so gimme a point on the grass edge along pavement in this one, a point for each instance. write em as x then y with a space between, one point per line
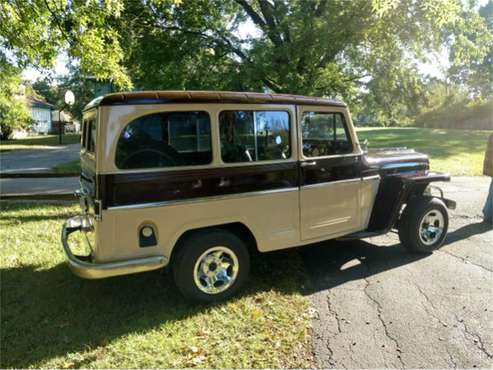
71 167
51 318
38 142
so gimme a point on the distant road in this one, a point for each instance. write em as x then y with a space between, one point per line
38 160
39 186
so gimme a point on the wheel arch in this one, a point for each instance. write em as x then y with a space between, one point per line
239 229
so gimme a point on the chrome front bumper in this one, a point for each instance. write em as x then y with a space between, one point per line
84 268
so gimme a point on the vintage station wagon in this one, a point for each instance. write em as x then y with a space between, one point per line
199 180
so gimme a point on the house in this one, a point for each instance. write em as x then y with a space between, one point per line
64 118
41 112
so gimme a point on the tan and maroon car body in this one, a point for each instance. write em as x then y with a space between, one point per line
275 204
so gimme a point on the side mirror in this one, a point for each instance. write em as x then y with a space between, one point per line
364 146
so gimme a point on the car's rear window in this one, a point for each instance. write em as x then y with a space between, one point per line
165 139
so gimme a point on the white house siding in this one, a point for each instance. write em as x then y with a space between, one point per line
42 118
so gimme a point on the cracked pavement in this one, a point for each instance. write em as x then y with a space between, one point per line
376 306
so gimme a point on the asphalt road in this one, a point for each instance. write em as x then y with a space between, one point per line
38 160
375 306
55 185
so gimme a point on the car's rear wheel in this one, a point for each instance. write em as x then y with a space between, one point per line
423 225
211 265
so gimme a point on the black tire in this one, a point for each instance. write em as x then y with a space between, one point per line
410 225
190 251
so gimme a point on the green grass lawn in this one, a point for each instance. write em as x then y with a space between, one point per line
458 152
68 167
52 319
38 142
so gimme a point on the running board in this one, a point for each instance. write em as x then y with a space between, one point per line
362 235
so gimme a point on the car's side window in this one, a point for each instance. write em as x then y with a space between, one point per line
165 139
324 134
249 136
91 133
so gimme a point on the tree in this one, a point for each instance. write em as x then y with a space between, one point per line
84 88
36 31
13 110
329 48
474 70
47 90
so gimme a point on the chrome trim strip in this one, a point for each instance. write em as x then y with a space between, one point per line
374 177
201 199
403 165
323 184
210 166
331 222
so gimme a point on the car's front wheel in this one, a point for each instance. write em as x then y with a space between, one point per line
423 225
211 265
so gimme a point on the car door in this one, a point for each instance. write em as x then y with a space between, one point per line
329 173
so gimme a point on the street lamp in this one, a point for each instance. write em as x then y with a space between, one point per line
69 100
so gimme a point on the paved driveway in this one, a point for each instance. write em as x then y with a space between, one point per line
375 306
38 160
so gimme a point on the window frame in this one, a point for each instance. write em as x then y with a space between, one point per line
345 124
238 108
163 168
89 134
83 134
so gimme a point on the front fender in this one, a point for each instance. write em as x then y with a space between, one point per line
421 185
397 190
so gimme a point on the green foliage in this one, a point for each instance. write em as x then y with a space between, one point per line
362 51
459 114
83 87
472 53
13 109
36 31
45 89
53 90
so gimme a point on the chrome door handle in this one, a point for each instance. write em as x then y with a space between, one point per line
310 163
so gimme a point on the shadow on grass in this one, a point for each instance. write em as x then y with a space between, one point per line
50 312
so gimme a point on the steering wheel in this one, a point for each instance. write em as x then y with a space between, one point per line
153 154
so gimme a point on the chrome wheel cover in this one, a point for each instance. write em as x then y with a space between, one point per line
431 227
216 270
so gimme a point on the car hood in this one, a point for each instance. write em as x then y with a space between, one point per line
387 161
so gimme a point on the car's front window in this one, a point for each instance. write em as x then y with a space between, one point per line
324 134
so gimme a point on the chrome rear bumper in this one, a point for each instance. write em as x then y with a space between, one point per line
84 268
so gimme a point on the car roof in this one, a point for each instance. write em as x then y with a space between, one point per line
180 96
